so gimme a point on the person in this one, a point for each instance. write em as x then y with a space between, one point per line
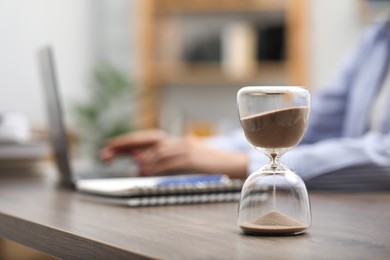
349 128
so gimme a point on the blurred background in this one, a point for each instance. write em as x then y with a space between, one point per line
181 62
184 60
125 65
134 64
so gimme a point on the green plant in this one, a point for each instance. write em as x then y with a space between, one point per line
108 111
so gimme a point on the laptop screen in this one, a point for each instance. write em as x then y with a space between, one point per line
56 126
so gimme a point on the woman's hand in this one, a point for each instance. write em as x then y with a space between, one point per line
131 143
157 154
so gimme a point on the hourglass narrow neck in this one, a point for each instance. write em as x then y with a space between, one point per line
274 163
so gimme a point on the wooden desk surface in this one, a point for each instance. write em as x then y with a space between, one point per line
34 212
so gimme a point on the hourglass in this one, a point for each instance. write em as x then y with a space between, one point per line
274 199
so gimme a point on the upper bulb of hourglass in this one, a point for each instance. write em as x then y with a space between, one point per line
276 131
276 128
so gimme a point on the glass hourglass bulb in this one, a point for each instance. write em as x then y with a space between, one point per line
274 199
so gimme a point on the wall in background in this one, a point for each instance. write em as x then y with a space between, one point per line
114 32
334 29
25 26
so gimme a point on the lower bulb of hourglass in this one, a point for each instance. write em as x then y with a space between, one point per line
274 201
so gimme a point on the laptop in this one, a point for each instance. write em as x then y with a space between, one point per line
106 183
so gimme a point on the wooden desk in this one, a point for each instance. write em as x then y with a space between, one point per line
34 212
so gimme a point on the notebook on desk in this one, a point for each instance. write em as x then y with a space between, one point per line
164 190
131 191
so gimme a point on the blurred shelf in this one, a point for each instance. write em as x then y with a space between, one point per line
201 6
164 31
212 73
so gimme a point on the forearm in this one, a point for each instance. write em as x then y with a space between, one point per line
233 164
310 161
230 154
